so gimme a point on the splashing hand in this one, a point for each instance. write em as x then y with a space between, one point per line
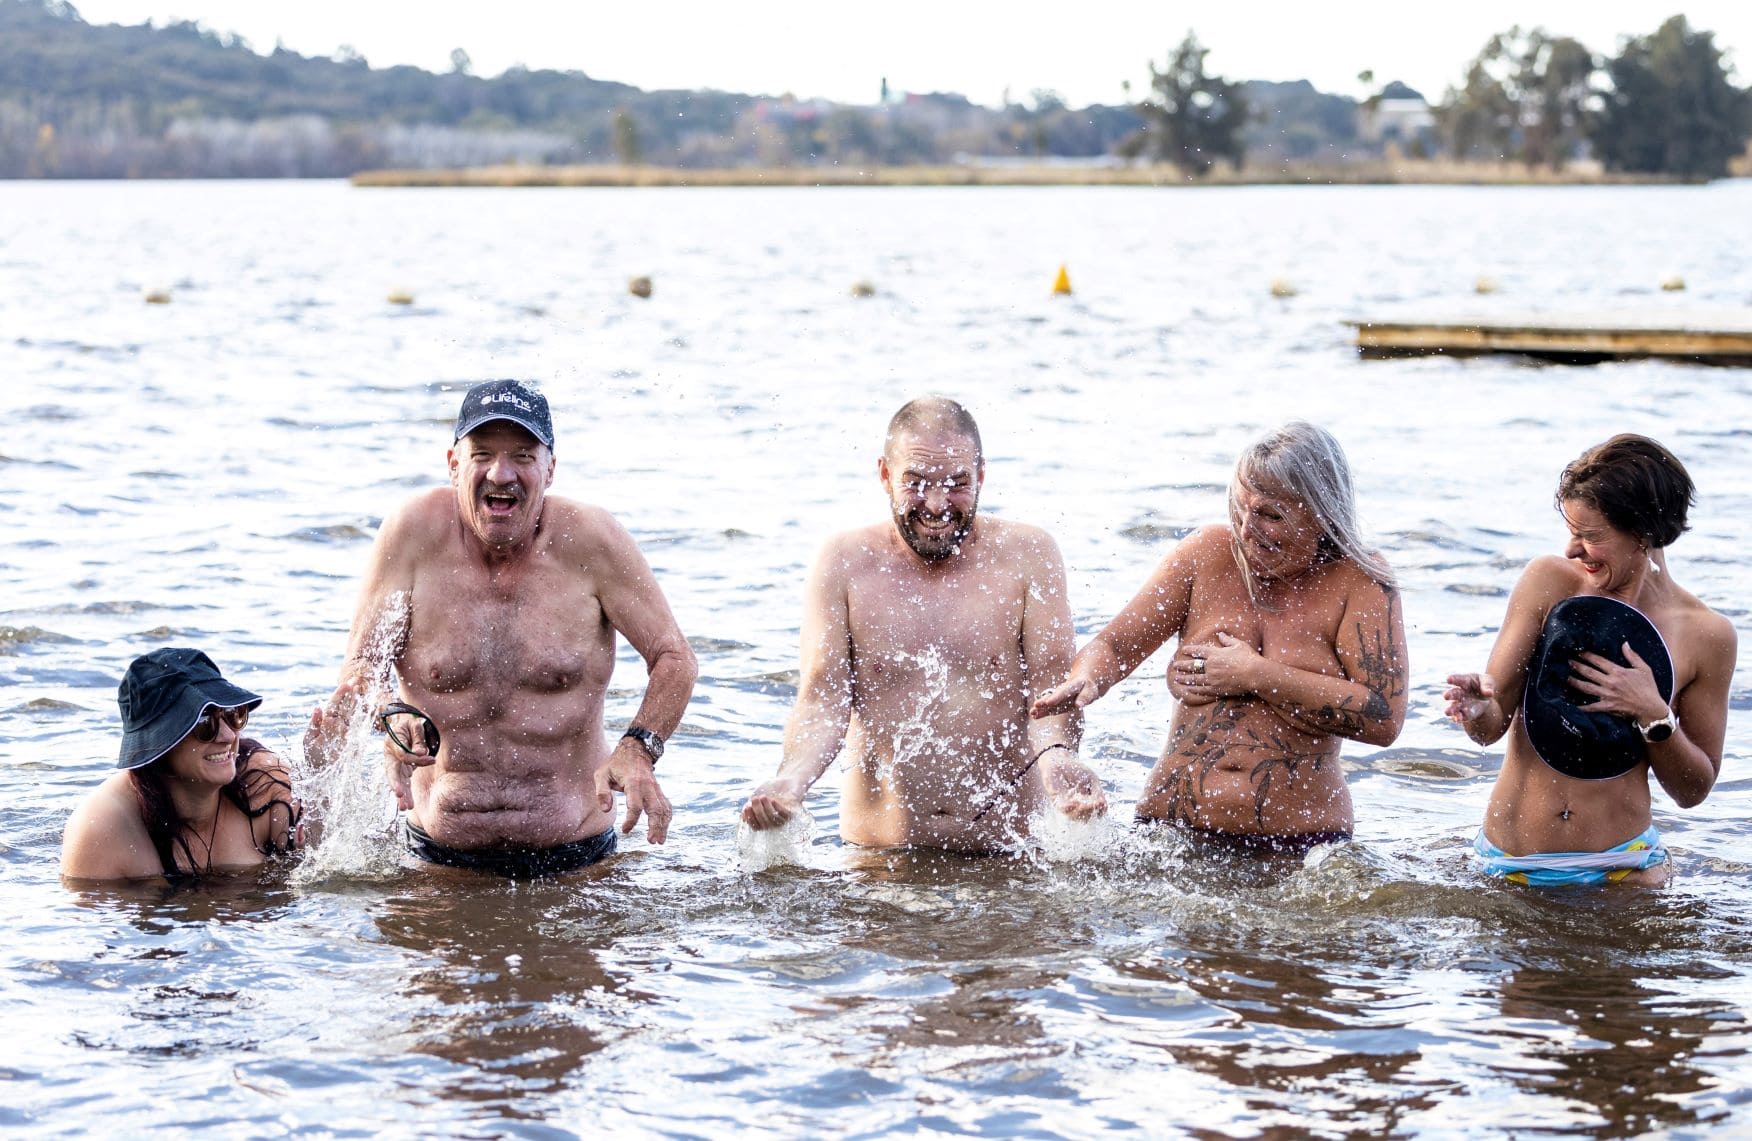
1074 789
772 804
327 733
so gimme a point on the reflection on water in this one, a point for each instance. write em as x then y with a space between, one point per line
212 471
508 984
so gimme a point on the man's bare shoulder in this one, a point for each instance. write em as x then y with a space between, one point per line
1023 545
574 520
422 520
583 531
860 546
1010 533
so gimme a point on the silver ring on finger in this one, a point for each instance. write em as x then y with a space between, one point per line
1198 665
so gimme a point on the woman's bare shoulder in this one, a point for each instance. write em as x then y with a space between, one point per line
105 837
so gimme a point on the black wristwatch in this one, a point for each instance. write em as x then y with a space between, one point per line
649 741
1659 729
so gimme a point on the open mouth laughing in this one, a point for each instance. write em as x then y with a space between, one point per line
501 504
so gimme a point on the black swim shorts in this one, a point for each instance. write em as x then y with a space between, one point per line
516 863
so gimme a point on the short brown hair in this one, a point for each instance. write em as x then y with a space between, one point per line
1639 486
934 413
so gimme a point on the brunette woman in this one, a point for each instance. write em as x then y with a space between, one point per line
193 796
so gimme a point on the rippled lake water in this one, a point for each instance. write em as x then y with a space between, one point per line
211 471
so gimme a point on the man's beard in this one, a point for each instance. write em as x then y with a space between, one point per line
933 548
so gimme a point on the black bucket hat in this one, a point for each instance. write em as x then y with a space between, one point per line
163 696
1566 734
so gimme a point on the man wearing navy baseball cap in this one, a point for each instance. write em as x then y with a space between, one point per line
503 603
511 401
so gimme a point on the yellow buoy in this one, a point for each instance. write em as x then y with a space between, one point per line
1282 288
639 287
1485 285
1062 283
400 297
1673 284
158 297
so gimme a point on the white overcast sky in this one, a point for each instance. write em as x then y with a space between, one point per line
1083 49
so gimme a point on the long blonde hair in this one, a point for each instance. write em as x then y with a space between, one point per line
1306 461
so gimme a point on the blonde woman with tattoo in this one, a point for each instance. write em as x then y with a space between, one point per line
1289 641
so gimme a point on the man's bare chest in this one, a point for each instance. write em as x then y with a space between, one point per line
966 626
542 635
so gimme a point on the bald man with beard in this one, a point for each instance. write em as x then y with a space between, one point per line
924 640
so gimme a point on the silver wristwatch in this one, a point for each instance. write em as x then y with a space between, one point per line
1659 729
649 741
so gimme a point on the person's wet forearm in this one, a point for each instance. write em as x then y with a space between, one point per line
668 688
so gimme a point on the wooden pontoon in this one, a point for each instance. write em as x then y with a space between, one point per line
1721 337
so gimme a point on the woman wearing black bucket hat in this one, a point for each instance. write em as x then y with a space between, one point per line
193 794
1605 671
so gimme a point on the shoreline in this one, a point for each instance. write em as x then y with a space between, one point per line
1372 173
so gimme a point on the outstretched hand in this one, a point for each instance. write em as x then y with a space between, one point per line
1071 694
629 771
1469 697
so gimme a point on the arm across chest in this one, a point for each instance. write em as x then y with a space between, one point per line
1302 634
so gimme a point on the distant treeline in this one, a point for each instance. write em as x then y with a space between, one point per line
1665 104
86 101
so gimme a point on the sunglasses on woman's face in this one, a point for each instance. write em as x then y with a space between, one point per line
207 727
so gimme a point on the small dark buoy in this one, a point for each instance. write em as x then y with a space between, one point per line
639 287
863 289
158 297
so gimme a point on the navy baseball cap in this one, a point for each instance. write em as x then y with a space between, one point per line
163 697
506 400
1566 733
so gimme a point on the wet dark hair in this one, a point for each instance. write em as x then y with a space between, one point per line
169 831
934 412
1639 486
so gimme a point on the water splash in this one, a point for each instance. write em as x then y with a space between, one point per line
919 736
1061 840
349 806
915 735
761 849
